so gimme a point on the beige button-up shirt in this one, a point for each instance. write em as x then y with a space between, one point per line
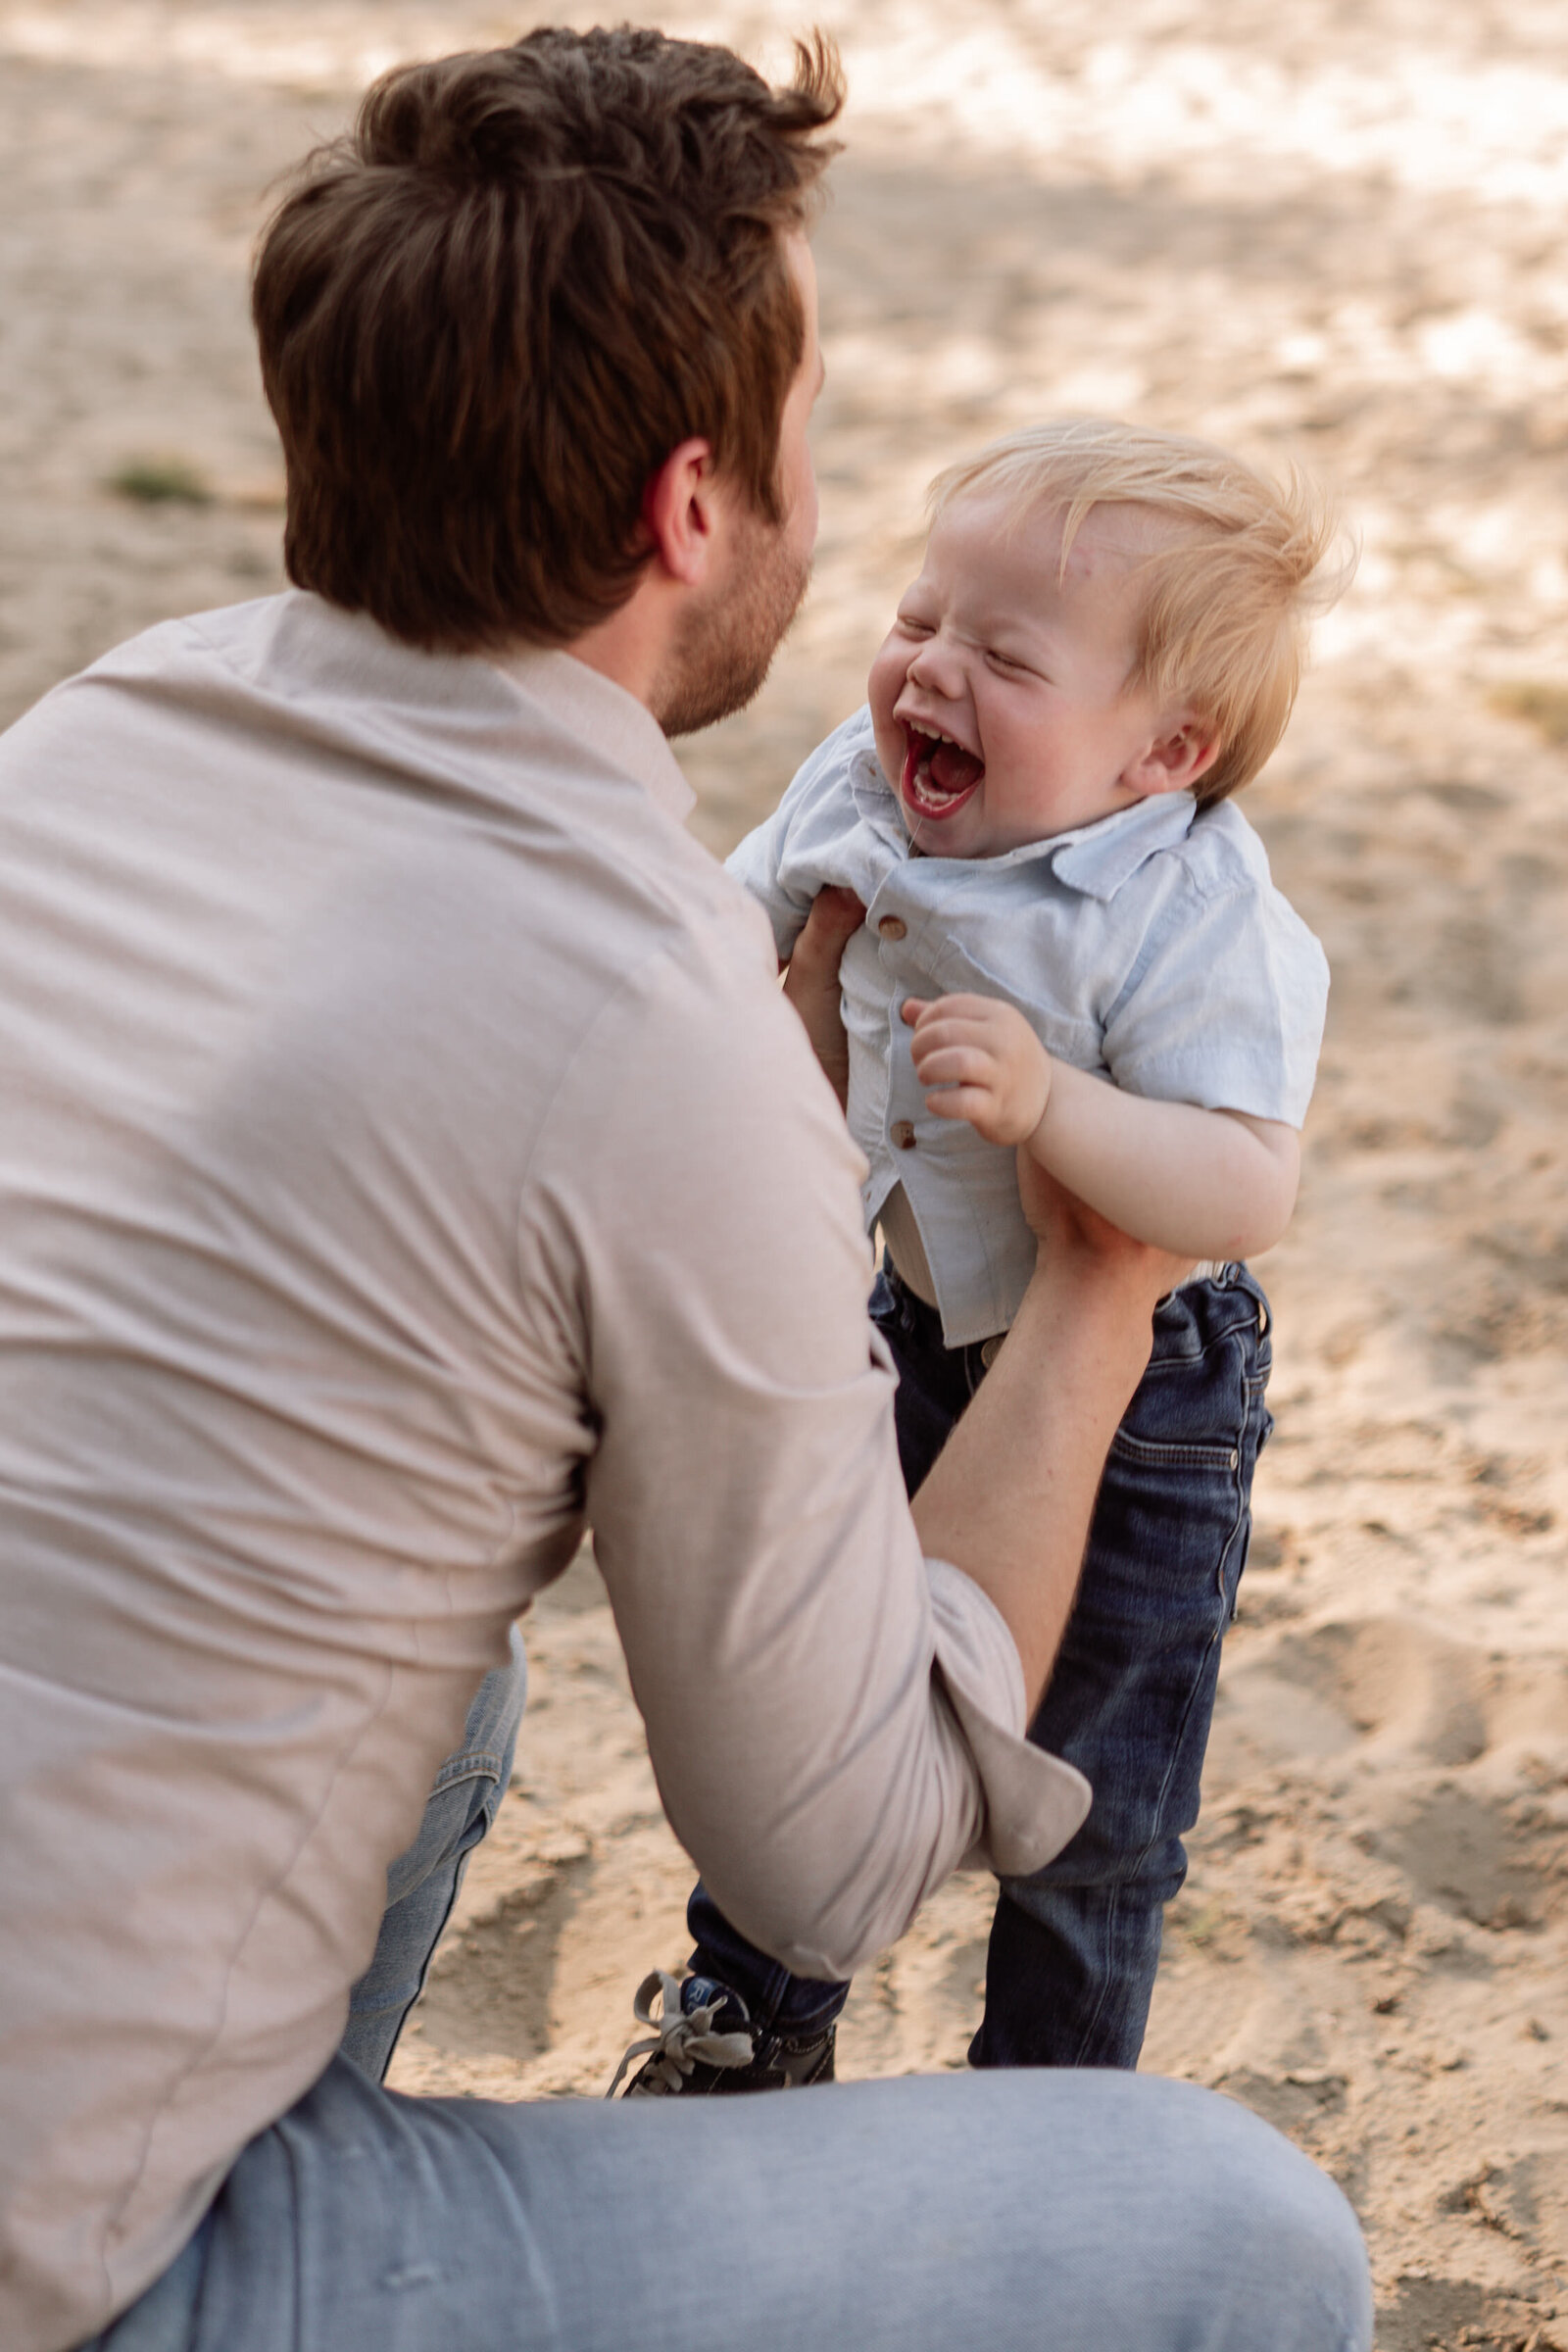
391 1098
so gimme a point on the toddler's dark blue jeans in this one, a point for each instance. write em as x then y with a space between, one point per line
1075 1949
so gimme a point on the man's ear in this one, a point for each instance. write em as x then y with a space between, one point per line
1174 761
681 513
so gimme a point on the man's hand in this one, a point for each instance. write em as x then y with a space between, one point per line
811 983
1068 1229
980 1060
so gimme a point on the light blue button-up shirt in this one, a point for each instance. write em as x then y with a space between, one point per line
1151 948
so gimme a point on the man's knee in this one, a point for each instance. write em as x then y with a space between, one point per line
1272 2225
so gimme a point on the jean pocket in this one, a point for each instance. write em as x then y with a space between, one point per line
1178 1453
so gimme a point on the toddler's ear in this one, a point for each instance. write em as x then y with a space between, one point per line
1174 762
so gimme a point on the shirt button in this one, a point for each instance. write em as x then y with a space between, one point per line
892 926
990 1350
903 1134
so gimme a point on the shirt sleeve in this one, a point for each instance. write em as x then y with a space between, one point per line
834 1723
806 841
1225 1004
755 864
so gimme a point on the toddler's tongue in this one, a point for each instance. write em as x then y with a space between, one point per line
938 777
952 770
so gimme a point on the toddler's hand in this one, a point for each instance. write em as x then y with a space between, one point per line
980 1060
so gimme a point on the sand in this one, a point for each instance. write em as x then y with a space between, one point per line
1331 232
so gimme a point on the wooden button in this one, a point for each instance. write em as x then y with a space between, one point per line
903 1134
892 926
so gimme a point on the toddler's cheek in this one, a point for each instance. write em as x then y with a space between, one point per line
883 688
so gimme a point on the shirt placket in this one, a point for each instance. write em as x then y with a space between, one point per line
891 924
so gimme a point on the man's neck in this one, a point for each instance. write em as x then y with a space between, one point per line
627 647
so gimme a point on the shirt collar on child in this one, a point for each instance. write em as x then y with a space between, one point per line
1094 859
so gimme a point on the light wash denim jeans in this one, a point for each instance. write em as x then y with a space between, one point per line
422 1883
1087 2212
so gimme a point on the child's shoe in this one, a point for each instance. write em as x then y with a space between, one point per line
703 2040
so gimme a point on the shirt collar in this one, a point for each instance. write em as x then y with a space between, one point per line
1097 859
605 717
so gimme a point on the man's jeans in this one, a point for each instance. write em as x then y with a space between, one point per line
1068 2211
1075 1947
422 1883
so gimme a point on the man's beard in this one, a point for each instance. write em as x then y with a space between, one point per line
727 641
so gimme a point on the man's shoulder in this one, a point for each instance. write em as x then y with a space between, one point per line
290 647
430 787
151 654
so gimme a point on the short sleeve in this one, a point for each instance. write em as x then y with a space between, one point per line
1225 1006
755 864
815 837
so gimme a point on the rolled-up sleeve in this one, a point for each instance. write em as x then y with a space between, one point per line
834 1722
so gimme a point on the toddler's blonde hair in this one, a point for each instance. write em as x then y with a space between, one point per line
1232 583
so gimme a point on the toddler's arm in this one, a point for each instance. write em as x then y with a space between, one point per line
1205 1184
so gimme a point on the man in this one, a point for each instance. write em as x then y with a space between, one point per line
406 1157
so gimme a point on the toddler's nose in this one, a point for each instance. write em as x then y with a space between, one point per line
934 666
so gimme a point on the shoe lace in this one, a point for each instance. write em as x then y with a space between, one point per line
679 2040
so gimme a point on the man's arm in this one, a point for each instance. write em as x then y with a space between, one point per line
1213 1184
1009 1497
834 1722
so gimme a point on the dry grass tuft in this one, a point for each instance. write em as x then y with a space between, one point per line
161 481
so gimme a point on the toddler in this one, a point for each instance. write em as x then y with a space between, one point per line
1071 943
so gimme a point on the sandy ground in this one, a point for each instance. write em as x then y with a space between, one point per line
1333 231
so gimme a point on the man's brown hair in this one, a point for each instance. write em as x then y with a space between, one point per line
489 314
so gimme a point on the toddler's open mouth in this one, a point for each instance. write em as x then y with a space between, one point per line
939 776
